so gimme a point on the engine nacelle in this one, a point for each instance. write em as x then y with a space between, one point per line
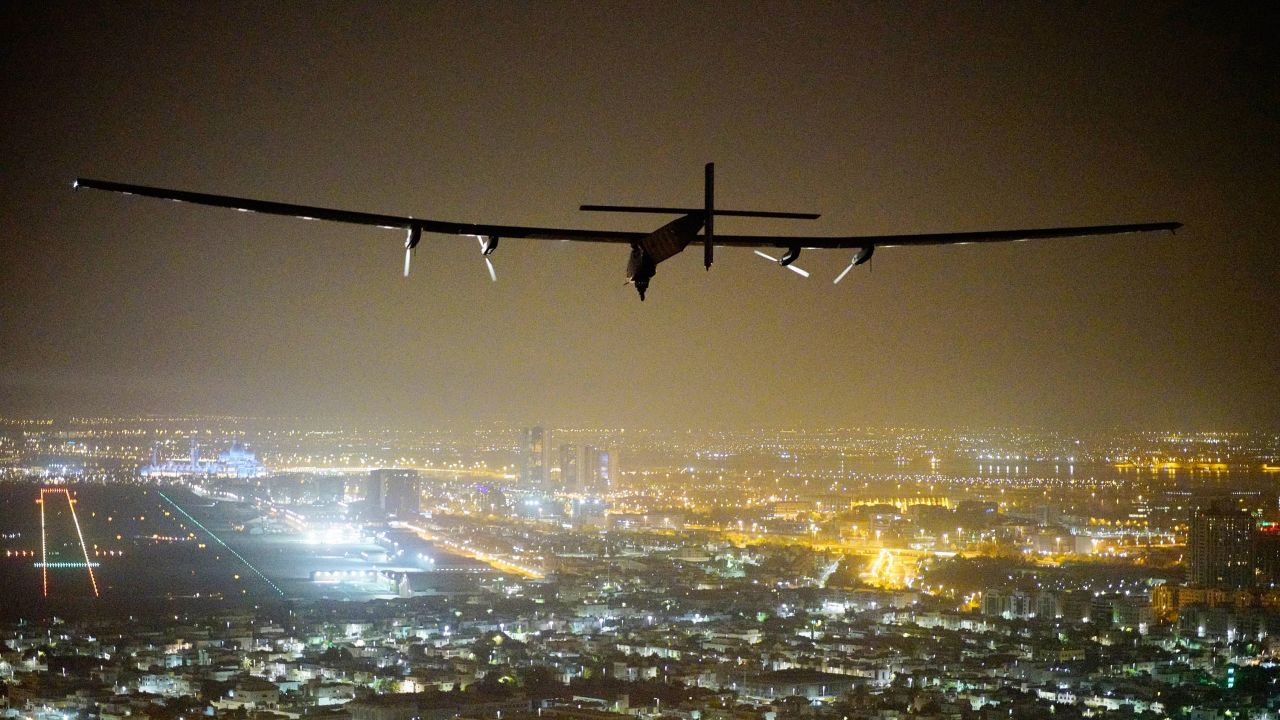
864 255
411 240
792 254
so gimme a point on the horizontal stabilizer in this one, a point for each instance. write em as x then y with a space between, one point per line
689 211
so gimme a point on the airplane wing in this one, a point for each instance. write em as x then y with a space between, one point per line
647 249
390 222
404 222
947 238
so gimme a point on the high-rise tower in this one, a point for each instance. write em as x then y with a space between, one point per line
1221 549
391 492
533 458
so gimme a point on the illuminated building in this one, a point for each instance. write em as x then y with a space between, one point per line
290 488
1268 557
391 492
1221 549
491 500
589 512
434 706
1050 605
402 495
533 458
373 491
234 462
976 510
809 684
997 602
575 467
606 464
586 469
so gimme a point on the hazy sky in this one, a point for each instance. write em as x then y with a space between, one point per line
886 118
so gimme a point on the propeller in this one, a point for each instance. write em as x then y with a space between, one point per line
487 246
799 271
862 256
843 273
410 244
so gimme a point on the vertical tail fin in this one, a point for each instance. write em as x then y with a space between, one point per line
709 207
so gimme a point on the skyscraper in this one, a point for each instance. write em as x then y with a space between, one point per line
1267 557
606 470
373 492
533 458
1221 549
586 469
392 492
575 467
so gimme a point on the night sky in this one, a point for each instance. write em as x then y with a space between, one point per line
886 118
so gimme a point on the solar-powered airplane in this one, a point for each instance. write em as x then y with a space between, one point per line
647 249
